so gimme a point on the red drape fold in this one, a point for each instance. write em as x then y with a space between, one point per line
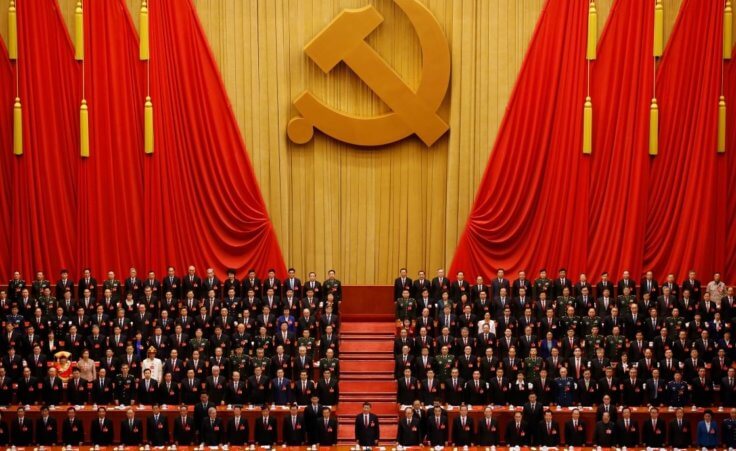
7 98
686 228
45 178
728 183
110 214
530 207
206 207
621 89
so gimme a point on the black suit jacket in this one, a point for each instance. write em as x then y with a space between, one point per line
211 433
238 436
514 437
157 432
409 434
367 435
654 436
680 436
265 434
184 433
605 434
437 433
551 438
487 435
463 436
131 435
575 436
327 434
22 436
72 432
630 437
47 433
294 435
101 434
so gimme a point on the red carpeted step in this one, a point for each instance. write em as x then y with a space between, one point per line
366 366
351 347
378 387
368 327
378 408
369 337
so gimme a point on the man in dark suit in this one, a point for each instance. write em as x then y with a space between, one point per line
517 432
47 429
265 430
628 430
64 285
690 284
172 283
157 427
192 282
533 414
293 427
654 430
212 430
367 429
328 389
101 429
487 429
311 415
463 429
102 388
184 431
401 283
327 428
87 282
549 431
131 429
575 430
626 282
21 431
237 427
680 432
605 432
438 427
409 430
72 431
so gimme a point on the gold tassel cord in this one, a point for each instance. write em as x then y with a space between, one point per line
17 127
592 32
722 125
727 30
12 31
658 28
148 126
143 26
588 126
654 128
84 130
79 32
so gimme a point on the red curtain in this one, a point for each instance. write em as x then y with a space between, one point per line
621 90
626 210
7 98
728 183
685 224
203 204
45 179
531 205
110 214
195 201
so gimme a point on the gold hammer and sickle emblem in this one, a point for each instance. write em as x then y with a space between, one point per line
412 111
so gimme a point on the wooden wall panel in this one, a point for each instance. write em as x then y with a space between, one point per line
365 212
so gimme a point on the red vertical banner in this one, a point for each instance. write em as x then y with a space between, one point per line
728 183
686 223
45 179
621 89
7 98
111 207
531 207
203 202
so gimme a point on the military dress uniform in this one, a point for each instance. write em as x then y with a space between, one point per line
532 366
729 433
593 342
329 364
333 286
445 364
124 388
542 285
564 391
406 309
615 345
114 286
677 393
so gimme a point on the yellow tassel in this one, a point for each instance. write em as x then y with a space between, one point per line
143 25
84 130
658 28
727 30
12 31
79 32
654 128
148 129
722 125
588 126
592 31
17 127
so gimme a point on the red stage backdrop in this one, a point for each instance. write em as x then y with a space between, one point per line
542 203
728 183
7 98
195 201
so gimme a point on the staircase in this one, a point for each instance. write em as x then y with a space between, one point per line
366 374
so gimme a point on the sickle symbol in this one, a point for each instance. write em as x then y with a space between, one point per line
412 112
